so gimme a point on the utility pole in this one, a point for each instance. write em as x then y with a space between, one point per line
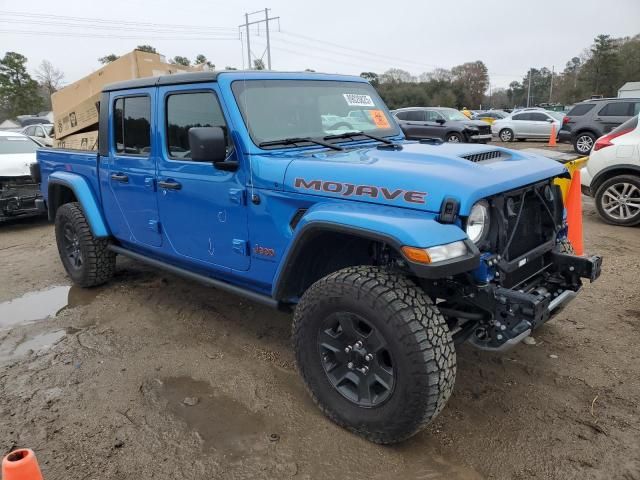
551 87
246 26
529 89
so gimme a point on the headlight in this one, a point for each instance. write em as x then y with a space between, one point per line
437 253
478 222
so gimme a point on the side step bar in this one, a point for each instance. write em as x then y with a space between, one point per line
256 297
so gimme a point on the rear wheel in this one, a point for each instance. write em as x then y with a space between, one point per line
618 200
87 259
506 135
583 143
454 137
374 352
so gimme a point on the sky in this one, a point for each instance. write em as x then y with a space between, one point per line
329 36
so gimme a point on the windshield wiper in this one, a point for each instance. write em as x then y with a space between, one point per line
355 134
294 140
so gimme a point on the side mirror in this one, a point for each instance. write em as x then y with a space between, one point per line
440 121
550 120
208 144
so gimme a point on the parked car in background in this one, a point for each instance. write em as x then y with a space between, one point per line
42 133
612 174
19 182
591 119
355 120
447 124
526 124
490 116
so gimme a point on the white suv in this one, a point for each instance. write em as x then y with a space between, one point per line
612 174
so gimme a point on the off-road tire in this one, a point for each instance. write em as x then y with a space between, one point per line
599 199
99 262
506 135
417 337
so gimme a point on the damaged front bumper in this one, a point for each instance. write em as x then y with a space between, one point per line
515 312
19 196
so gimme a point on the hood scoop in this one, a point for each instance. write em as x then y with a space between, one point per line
493 155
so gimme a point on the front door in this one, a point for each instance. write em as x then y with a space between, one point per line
540 124
202 209
132 166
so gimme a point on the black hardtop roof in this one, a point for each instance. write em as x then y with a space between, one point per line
182 78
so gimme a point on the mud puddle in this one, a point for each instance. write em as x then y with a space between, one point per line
42 304
37 343
222 423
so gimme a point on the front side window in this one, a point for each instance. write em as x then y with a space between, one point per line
284 109
616 109
132 125
521 116
453 115
432 116
188 110
538 117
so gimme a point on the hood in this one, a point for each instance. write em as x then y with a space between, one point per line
419 176
473 123
16 164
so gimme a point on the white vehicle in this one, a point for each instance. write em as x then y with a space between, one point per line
612 174
527 124
19 189
42 133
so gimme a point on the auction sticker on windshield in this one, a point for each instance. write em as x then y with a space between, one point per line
357 100
379 118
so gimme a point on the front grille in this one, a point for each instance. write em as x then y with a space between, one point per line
483 130
481 157
523 220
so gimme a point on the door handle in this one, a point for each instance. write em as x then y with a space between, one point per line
120 177
170 185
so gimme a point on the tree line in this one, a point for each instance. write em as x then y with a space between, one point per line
600 69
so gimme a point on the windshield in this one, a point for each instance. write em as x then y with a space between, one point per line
280 109
17 144
453 115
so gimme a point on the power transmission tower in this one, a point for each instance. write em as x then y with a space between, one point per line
266 21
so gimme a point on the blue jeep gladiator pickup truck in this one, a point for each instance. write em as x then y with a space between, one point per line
390 252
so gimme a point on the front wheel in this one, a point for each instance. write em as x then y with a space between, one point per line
374 352
506 135
618 200
87 259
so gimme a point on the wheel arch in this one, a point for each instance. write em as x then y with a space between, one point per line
333 236
613 171
64 187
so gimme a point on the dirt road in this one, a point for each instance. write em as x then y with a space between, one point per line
155 377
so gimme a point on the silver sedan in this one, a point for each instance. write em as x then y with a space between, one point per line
527 124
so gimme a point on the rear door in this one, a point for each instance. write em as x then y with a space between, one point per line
414 124
132 168
202 209
613 114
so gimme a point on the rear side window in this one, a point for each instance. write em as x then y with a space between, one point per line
521 116
414 115
187 110
616 109
581 109
132 125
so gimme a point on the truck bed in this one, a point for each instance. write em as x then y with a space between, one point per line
83 163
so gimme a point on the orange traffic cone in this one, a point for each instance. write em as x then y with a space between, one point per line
574 213
21 465
552 137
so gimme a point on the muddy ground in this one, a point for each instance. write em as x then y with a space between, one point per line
152 376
